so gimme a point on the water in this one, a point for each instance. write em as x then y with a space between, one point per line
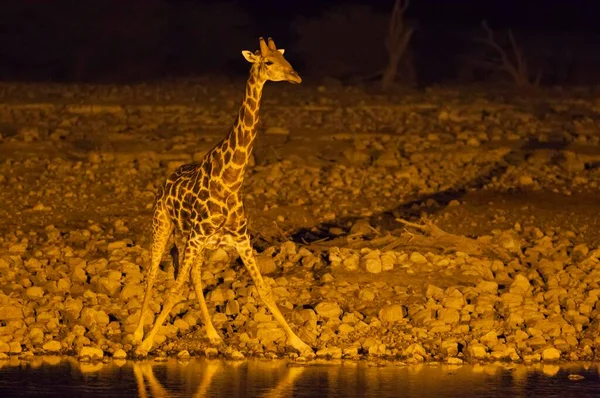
54 377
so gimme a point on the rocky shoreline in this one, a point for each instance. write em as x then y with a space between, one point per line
74 237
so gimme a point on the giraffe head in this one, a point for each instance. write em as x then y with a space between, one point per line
270 63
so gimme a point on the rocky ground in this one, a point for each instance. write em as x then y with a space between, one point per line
511 180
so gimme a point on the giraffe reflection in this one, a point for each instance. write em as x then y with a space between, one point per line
205 371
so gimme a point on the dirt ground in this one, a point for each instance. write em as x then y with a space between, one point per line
336 170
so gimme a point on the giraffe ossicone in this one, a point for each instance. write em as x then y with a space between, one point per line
203 203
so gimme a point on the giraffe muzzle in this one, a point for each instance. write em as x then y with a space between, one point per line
294 77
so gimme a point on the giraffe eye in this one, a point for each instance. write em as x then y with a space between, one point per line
268 62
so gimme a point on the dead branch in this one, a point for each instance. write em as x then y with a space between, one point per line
399 34
515 66
451 242
427 238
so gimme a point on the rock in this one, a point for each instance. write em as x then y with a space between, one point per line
270 334
377 350
520 285
580 252
391 313
9 312
361 227
388 259
414 349
120 354
52 346
345 328
266 264
352 262
418 258
34 292
330 353
490 287
525 180
550 354
455 301
387 159
183 354
490 339
328 310
454 361
15 347
366 295
373 265
90 317
477 350
434 292
4 347
90 353
449 316
449 348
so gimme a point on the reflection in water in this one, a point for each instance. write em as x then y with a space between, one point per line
55 376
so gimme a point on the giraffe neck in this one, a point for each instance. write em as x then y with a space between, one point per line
233 154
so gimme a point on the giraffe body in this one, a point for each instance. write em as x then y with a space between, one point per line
202 202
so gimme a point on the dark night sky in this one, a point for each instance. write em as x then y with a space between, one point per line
535 14
77 39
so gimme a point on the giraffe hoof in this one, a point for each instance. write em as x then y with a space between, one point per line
139 353
137 337
142 350
303 349
215 340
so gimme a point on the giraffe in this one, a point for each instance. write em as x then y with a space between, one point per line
202 202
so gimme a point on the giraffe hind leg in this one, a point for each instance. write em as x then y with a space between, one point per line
162 228
192 248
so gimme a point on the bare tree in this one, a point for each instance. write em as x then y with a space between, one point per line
399 34
515 65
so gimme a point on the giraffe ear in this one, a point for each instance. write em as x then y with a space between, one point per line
250 57
281 50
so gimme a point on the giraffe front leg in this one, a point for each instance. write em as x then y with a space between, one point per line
162 230
244 249
191 249
211 332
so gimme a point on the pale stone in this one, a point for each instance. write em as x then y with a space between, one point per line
90 317
93 353
52 346
490 339
270 334
414 349
477 350
120 354
15 347
550 354
448 315
456 302
373 265
366 295
34 292
487 287
328 310
520 284
418 258
454 361
344 328
9 312
391 313
330 352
